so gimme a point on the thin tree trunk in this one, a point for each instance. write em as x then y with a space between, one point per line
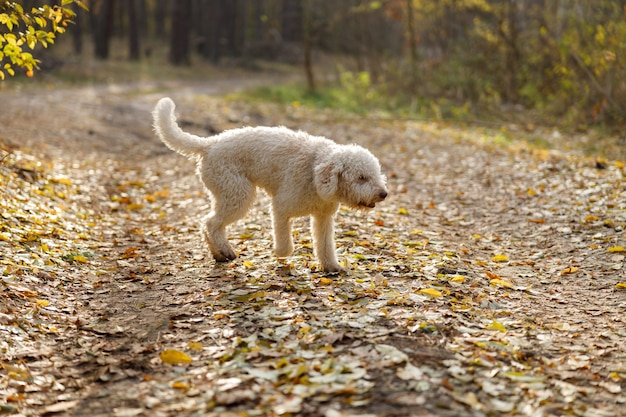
410 23
308 47
179 39
103 24
133 26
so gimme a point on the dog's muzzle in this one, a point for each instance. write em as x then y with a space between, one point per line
380 197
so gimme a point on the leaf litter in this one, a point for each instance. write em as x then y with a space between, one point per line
490 283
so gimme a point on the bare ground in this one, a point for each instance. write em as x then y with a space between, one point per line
489 283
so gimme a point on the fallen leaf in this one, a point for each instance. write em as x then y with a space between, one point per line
195 345
173 357
500 258
431 292
496 325
570 270
392 353
180 385
615 249
500 283
60 407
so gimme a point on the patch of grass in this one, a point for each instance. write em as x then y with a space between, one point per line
355 94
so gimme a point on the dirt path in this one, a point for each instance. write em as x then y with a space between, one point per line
488 283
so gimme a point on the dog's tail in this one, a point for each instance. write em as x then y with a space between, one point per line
171 134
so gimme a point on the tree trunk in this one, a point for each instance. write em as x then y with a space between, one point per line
102 15
308 47
133 27
410 23
291 20
77 30
179 38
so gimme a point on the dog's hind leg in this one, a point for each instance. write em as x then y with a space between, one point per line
324 242
229 205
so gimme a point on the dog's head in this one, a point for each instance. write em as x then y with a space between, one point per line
351 175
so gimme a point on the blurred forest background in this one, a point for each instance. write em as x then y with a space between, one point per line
561 62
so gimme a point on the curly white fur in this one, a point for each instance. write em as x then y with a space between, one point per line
303 174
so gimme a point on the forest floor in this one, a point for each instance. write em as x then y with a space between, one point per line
491 282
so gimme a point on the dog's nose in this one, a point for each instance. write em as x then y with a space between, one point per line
383 195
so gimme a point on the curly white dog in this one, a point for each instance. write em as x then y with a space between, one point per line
302 174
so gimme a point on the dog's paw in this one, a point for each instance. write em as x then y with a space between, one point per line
225 256
333 269
283 252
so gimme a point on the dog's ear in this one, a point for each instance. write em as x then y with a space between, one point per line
326 177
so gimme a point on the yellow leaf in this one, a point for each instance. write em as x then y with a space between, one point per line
195 345
403 210
615 249
430 292
173 357
247 297
180 385
458 278
531 192
569 270
501 283
134 206
620 286
500 258
326 281
591 219
79 258
5 237
619 164
496 325
248 264
43 303
64 181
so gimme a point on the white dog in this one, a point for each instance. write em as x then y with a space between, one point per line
303 175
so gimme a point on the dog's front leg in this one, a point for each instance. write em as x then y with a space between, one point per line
324 242
283 241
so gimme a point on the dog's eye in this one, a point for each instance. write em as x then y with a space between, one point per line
362 178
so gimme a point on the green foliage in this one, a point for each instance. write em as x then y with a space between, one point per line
560 62
357 93
20 28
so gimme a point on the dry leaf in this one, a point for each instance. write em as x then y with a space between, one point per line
500 258
616 249
500 283
569 270
431 292
174 357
